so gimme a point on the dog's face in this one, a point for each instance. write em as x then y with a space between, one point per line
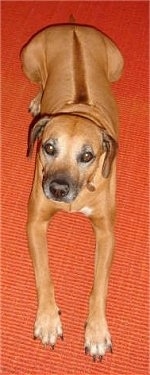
70 150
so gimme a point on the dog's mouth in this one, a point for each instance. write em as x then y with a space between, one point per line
60 188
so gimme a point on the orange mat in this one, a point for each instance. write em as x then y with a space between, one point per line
71 240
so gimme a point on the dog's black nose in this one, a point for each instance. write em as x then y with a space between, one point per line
59 189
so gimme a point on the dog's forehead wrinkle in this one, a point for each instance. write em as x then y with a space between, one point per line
87 147
52 141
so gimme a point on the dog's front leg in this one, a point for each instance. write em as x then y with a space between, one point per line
48 324
97 336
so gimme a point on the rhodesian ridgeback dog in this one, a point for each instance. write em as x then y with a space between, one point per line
77 134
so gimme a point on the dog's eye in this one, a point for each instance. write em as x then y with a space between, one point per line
49 149
86 157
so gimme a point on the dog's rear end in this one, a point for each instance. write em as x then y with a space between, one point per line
75 167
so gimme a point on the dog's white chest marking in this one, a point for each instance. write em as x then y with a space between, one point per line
87 211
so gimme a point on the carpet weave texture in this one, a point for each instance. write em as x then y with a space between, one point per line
70 237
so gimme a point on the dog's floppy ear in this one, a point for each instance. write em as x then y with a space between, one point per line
115 60
110 148
35 133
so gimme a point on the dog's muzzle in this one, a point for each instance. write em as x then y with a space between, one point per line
60 188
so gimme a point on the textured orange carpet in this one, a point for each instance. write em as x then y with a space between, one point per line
72 242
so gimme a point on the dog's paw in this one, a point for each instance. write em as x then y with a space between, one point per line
48 327
97 340
34 107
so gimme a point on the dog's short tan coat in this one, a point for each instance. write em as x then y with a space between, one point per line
77 130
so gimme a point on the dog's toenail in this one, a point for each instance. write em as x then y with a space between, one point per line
86 350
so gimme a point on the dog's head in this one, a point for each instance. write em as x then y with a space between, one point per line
70 148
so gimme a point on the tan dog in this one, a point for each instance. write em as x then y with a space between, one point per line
75 168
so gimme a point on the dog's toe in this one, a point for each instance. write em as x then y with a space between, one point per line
48 328
97 341
34 107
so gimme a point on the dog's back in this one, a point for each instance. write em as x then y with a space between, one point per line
82 60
